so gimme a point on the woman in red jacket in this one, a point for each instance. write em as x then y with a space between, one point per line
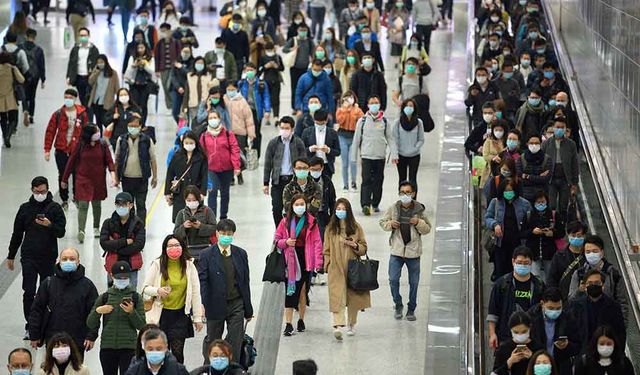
87 162
223 156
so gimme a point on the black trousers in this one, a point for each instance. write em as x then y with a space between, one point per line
29 104
8 123
61 163
234 321
140 95
138 188
276 198
372 179
84 89
258 126
408 164
31 270
152 8
295 74
98 113
424 34
113 360
274 95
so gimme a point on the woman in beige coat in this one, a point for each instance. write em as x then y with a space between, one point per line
344 240
8 103
173 285
241 116
492 147
62 357
104 84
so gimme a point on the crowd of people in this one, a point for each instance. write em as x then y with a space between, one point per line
557 305
219 101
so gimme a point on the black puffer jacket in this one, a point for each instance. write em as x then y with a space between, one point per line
70 296
38 242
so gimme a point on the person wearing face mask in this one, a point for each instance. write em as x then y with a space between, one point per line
157 357
82 60
195 224
196 90
169 15
63 133
335 50
506 171
104 83
566 261
322 141
20 362
87 163
122 237
264 20
167 54
513 293
534 169
551 81
344 240
481 130
371 19
237 41
188 167
398 24
148 29
221 63
407 222
298 238
409 136
278 164
256 91
492 22
270 67
305 121
76 16
317 165
604 354
135 162
525 68
613 285
117 117
595 309
35 74
368 82
425 15
347 116
493 145
303 47
225 290
513 355
172 284
510 90
410 83
368 46
120 311
492 49
141 77
542 230
178 79
552 326
315 82
530 116
347 19
220 361
511 151
130 50
64 314
242 121
415 49
305 185
563 109
506 215
481 91
352 65
214 102
37 226
223 155
298 21
63 357
184 34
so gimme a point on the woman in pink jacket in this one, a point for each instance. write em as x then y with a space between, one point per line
223 156
242 124
298 237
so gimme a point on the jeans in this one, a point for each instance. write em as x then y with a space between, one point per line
395 270
113 360
277 204
29 104
235 329
176 100
411 165
346 140
84 89
126 17
559 196
31 270
220 181
61 162
83 210
372 179
138 188
317 21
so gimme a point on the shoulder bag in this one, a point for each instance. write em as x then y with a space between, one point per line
275 268
362 274
175 184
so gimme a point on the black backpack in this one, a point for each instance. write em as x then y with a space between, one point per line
34 71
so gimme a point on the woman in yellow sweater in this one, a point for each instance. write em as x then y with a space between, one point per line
173 286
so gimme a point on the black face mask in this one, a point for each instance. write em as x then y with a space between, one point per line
594 291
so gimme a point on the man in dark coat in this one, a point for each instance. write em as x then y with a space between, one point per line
322 141
157 358
368 81
36 229
63 303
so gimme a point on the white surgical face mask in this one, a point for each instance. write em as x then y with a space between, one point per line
40 197
487 118
124 99
534 148
498 133
520 338
605 350
190 147
193 204
481 79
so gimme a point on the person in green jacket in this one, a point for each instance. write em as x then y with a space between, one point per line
122 311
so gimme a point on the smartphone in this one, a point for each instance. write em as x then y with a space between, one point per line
521 348
40 216
127 300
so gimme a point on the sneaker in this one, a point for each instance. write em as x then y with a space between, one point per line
233 181
411 316
351 330
96 232
322 279
288 329
345 189
31 119
366 210
354 187
313 280
337 333
7 143
240 179
376 209
398 312
81 236
26 335
25 119
301 326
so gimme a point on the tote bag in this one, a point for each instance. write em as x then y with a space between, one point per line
362 274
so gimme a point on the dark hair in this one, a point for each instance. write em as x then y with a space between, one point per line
269 45
412 60
594 240
561 119
511 164
61 338
143 10
39 180
350 222
592 272
165 25
541 194
305 367
31 33
226 225
552 294
548 65
186 20
489 105
191 189
71 92
508 182
536 90
314 96
139 350
164 259
533 136
481 68
522 251
591 351
19 350
534 357
316 160
408 183
575 227
302 160
519 317
317 62
320 115
223 345
288 120
86 133
373 97
10 37
516 132
236 17
153 334
250 65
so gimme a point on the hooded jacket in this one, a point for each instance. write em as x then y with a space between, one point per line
414 248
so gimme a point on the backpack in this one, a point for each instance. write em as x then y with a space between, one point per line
34 71
362 127
248 352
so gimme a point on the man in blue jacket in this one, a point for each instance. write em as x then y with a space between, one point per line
256 92
314 82
224 285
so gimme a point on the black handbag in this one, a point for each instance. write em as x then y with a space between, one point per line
275 268
18 88
362 274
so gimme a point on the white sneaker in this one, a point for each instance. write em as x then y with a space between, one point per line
314 280
322 279
351 330
337 333
81 236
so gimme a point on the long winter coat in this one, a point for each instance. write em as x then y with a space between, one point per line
336 261
7 96
87 163
490 150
